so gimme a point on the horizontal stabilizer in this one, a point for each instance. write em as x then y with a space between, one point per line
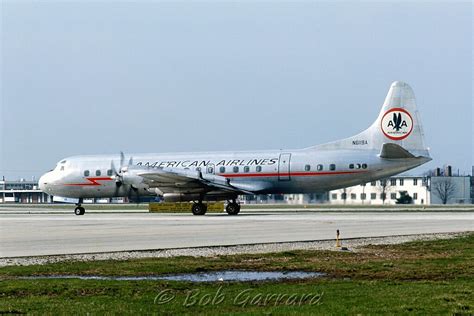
394 151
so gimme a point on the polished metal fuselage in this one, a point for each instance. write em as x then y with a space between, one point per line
263 172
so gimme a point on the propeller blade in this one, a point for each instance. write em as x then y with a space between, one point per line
112 166
135 190
122 159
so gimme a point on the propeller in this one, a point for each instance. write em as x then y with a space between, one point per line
120 172
135 190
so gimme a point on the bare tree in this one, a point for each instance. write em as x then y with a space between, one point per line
345 193
444 189
383 188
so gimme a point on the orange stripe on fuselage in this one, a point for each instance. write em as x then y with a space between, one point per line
92 182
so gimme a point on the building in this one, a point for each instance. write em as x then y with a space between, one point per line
472 185
423 191
22 191
382 192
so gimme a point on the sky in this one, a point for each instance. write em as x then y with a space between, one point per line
88 77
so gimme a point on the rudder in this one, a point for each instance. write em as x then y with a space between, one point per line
398 122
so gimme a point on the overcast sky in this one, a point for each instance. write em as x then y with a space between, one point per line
149 76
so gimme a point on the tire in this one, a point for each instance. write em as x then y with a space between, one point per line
79 210
232 208
199 209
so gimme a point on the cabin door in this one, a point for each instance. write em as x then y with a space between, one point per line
284 167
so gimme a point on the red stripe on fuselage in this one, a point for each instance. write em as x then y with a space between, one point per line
291 174
92 182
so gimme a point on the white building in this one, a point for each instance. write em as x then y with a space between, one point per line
423 190
380 192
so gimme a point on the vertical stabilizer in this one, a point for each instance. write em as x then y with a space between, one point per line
398 122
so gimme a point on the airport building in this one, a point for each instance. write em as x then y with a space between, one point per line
383 192
419 190
22 191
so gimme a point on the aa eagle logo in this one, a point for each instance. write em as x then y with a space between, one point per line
397 124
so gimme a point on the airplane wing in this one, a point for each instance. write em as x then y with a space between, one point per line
170 180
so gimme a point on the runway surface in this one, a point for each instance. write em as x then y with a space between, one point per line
50 234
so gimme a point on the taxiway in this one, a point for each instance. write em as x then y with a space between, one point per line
54 234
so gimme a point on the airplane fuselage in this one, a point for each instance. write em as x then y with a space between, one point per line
272 172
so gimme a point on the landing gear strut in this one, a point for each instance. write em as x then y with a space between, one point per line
199 208
79 210
232 208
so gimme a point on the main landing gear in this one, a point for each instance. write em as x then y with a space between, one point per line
232 208
199 208
79 210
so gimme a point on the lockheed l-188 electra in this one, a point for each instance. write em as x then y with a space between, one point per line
393 144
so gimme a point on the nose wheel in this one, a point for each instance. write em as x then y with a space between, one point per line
79 210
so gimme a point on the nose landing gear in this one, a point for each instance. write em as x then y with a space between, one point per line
79 210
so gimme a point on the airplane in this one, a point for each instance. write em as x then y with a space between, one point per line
394 143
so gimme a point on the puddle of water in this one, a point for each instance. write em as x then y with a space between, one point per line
228 275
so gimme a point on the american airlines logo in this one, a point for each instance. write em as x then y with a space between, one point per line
397 124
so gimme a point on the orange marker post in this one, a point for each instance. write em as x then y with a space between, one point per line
338 242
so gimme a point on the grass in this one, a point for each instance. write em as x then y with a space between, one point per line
425 277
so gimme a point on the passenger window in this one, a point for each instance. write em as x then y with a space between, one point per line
351 166
97 172
222 169
198 169
358 166
86 173
320 167
307 168
364 166
236 169
258 169
246 169
210 170
110 172
62 168
332 167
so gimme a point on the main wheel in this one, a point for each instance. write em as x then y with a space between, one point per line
232 208
79 210
199 209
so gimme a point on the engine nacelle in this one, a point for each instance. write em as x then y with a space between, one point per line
187 197
180 197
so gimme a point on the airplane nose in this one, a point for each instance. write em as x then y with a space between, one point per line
43 182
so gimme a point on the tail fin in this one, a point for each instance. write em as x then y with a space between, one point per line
398 123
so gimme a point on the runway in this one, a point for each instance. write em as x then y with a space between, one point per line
54 234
